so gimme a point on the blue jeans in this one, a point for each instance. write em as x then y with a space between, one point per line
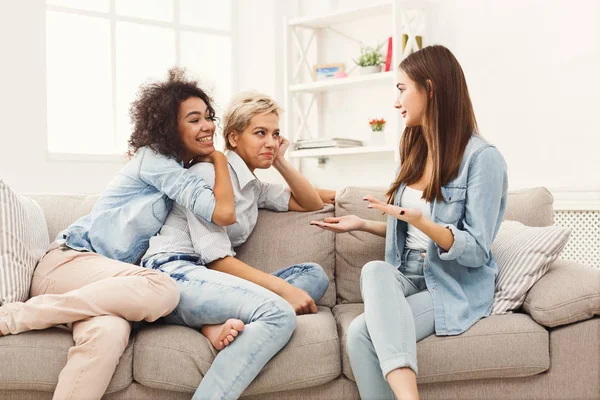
210 297
398 313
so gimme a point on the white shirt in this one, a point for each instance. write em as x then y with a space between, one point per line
184 233
411 198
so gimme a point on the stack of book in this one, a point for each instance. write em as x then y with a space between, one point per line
326 142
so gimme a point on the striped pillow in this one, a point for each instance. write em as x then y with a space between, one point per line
523 255
23 241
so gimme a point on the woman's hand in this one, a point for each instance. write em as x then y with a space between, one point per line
299 300
410 215
210 158
343 224
284 143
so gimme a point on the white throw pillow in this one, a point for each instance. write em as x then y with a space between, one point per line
523 254
23 241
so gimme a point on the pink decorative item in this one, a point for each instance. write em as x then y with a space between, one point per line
340 74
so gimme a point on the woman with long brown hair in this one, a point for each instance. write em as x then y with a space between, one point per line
444 210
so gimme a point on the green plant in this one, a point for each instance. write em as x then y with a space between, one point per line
369 56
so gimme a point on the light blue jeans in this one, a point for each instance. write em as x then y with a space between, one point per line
398 313
210 297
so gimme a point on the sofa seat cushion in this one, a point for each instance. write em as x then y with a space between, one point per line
177 357
33 360
569 292
500 346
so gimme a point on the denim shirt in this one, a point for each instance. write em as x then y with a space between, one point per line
135 205
461 280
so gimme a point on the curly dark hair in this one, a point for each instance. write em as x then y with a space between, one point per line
154 113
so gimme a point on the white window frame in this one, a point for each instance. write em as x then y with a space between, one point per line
177 27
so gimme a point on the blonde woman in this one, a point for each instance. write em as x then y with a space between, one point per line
216 288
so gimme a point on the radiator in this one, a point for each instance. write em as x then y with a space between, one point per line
579 211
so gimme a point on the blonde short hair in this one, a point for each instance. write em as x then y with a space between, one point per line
242 108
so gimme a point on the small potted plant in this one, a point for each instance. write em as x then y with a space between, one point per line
370 60
377 126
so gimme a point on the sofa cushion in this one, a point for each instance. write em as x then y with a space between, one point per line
61 210
176 357
501 346
23 241
567 293
33 360
523 254
283 239
531 207
355 249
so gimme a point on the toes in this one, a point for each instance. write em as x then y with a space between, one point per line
236 324
225 342
230 338
233 332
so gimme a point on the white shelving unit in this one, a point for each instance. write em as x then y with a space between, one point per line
345 83
340 151
407 17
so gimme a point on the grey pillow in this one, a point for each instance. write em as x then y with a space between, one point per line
23 241
523 254
569 292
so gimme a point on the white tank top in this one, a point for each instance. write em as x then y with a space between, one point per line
411 198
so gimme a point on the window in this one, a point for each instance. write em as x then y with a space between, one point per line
98 52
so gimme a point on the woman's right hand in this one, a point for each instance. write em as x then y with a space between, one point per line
343 224
210 158
299 299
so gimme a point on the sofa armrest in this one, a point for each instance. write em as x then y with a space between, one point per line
569 292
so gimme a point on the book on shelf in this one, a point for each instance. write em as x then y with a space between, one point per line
326 142
388 57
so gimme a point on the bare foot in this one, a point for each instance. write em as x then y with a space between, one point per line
222 335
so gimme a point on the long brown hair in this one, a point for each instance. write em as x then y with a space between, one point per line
448 124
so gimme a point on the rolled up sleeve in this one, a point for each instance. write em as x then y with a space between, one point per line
209 240
274 197
179 184
486 196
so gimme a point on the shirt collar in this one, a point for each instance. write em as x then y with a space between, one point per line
240 168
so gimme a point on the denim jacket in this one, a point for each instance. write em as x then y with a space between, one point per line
461 280
135 205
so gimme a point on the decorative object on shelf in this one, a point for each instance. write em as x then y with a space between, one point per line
418 39
377 124
325 142
340 74
388 57
323 72
378 135
370 60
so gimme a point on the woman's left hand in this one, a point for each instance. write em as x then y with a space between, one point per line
284 143
410 215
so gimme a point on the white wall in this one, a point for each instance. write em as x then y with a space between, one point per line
532 69
23 157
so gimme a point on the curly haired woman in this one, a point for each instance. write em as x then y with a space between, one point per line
87 279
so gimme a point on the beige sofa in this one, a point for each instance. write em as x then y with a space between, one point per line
550 350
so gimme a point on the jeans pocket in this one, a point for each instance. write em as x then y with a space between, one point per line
414 268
